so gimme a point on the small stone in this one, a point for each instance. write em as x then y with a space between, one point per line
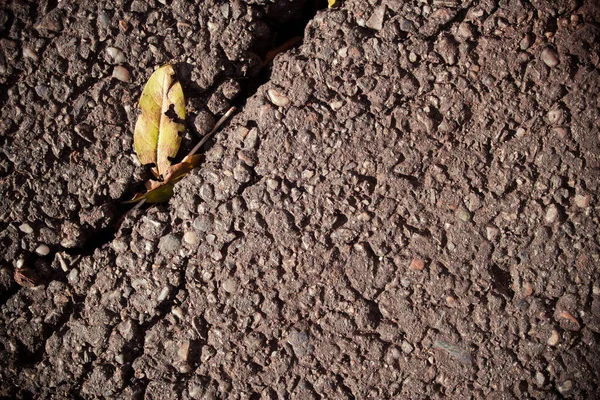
376 20
565 387
184 350
277 98
560 131
26 229
492 232
29 53
527 41
463 215
549 57
121 73
556 116
272 184
540 379
300 342
169 244
417 264
464 31
552 214
230 286
116 55
203 223
406 347
583 200
190 238
103 19
73 275
178 312
164 293
42 250
120 358
43 91
204 122
554 338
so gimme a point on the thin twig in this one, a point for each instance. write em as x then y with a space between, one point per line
209 134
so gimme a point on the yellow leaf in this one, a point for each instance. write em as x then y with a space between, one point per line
157 131
161 191
331 3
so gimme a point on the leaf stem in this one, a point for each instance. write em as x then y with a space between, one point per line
214 129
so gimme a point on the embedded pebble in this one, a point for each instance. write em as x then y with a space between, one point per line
29 53
549 57
178 312
583 200
230 285
554 338
169 244
26 229
565 386
406 347
540 379
190 238
121 73
556 116
376 20
551 214
163 294
463 215
277 98
300 342
74 274
116 56
272 184
417 264
526 42
42 250
203 223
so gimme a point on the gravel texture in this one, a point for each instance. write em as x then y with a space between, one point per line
407 208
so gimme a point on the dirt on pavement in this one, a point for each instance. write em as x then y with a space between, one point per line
404 206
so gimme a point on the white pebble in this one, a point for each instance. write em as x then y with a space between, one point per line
553 339
163 294
277 98
549 57
42 250
551 214
116 55
26 229
582 200
121 73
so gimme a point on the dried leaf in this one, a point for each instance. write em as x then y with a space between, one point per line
25 277
331 3
157 131
161 191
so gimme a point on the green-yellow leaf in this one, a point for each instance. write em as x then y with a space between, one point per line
161 191
158 129
331 3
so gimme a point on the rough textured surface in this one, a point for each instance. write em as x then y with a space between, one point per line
407 208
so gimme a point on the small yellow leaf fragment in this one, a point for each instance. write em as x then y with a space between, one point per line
158 128
331 3
161 191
